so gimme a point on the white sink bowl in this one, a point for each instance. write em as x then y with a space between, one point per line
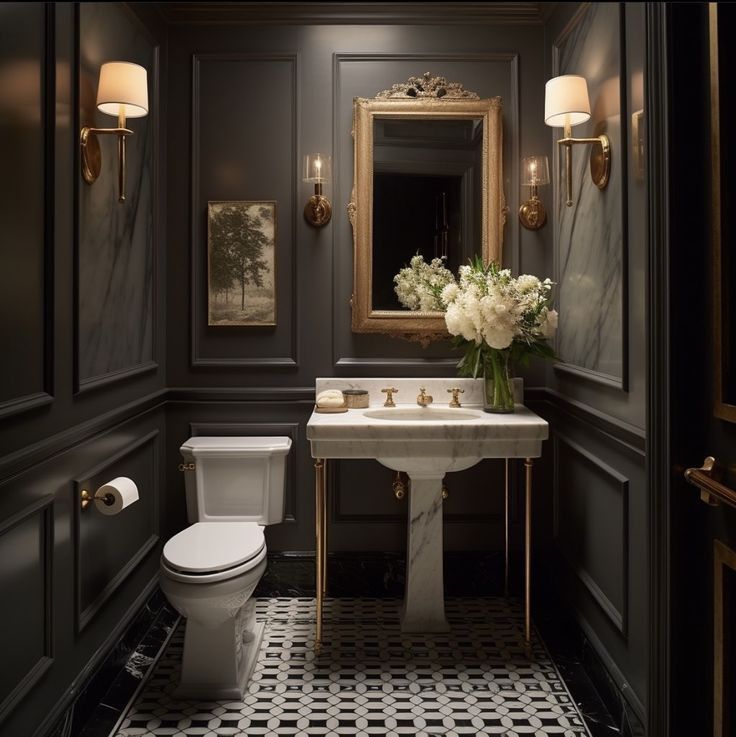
422 414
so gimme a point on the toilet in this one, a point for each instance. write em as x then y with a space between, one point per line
234 487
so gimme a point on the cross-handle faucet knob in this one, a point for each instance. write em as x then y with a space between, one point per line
455 391
424 399
389 392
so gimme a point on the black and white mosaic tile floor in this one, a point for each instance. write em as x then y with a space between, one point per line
371 679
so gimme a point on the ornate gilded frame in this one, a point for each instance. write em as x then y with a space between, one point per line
424 97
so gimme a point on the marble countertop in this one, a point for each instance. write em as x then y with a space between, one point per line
355 434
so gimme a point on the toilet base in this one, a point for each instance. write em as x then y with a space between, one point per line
213 667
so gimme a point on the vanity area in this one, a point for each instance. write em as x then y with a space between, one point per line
425 437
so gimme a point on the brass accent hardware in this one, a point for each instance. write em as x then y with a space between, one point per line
87 499
724 563
424 399
92 159
455 391
389 392
528 463
320 489
187 466
532 213
399 487
318 210
712 491
445 492
600 160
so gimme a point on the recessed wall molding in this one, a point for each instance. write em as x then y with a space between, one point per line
591 350
616 613
251 337
43 544
112 466
35 341
267 429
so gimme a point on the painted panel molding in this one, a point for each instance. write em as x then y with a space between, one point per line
237 155
591 236
591 525
26 549
109 548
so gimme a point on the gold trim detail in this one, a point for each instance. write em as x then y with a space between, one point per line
422 327
428 86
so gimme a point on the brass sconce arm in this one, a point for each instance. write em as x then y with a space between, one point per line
600 160
92 159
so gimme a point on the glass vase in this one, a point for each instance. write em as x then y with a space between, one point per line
498 394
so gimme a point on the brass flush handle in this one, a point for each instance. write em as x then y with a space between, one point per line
455 391
389 392
399 486
187 466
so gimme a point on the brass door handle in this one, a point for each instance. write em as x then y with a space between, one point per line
712 491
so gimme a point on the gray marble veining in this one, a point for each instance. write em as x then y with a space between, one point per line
590 236
116 250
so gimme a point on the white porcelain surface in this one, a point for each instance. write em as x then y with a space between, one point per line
426 443
206 547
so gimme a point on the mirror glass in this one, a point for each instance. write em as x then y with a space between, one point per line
426 196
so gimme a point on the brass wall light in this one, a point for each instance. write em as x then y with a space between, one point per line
123 93
534 174
317 169
566 104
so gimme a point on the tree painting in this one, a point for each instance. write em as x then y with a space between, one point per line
242 266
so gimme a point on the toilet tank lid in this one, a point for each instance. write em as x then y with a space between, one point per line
201 445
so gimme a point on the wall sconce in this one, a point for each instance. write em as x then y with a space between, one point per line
123 92
566 104
318 210
534 173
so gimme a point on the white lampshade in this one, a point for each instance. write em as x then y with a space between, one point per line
123 85
317 168
566 101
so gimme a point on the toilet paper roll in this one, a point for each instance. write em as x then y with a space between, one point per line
116 495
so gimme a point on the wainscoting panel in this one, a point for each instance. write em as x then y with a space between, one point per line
25 581
266 429
109 548
591 525
116 262
27 153
244 147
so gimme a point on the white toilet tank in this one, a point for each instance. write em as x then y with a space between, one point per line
236 479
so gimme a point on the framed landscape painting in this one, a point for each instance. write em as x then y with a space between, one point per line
241 257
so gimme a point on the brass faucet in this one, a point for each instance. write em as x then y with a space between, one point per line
455 391
424 399
389 392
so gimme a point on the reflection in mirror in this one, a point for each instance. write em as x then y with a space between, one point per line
426 196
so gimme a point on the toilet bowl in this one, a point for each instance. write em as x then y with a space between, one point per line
209 570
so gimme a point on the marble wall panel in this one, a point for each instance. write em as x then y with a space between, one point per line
115 262
590 235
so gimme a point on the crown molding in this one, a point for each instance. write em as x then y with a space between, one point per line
522 13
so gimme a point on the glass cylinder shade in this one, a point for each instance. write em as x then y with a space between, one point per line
534 171
566 101
123 87
317 168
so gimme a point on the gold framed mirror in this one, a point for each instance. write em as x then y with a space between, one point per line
427 179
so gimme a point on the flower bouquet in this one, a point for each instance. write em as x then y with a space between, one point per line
497 319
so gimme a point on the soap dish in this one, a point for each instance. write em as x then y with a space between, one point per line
356 398
329 410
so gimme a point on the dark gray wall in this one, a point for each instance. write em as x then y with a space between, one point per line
72 580
246 102
596 396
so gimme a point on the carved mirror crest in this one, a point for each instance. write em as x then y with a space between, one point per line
428 179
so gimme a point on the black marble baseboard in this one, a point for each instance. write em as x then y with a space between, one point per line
106 694
383 574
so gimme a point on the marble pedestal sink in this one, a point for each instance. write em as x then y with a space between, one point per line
426 443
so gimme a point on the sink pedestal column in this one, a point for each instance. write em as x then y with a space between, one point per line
424 600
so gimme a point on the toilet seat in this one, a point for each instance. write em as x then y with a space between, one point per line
213 551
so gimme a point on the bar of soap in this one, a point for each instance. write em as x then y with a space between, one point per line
330 398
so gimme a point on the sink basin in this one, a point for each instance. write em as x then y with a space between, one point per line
422 414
